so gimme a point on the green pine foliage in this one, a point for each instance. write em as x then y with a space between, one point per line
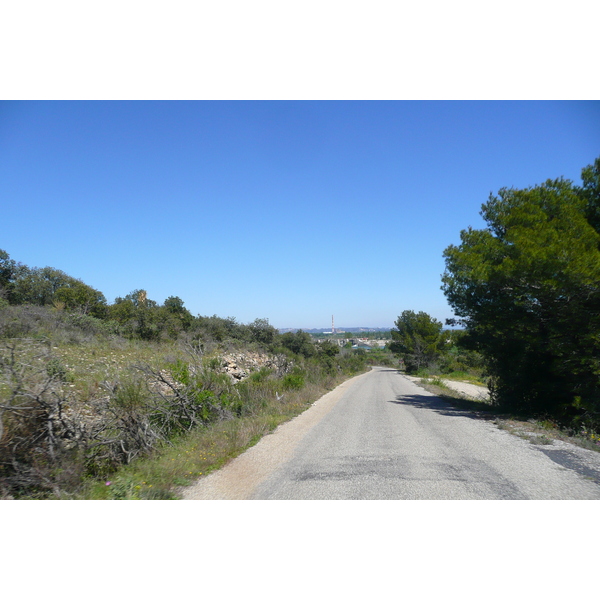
417 339
527 290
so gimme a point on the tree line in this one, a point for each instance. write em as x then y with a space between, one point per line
136 316
132 316
526 294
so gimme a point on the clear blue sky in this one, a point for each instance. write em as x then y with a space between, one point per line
291 211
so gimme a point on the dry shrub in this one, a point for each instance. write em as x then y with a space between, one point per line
36 453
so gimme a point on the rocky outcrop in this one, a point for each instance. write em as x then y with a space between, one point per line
240 365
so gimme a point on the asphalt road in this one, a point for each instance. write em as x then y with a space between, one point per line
383 437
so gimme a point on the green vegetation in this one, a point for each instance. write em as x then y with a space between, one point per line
133 399
426 349
418 339
526 290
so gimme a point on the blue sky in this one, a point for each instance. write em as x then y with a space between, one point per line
293 211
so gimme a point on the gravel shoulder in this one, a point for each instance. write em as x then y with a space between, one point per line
470 390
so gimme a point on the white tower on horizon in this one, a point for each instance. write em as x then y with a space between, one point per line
332 327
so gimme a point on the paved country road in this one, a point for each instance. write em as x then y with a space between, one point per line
380 436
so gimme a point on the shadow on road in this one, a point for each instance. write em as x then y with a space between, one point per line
440 406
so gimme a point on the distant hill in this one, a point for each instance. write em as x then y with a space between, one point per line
337 329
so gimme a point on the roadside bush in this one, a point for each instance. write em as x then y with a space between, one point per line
257 391
127 430
294 380
352 361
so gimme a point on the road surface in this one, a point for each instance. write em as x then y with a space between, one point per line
380 436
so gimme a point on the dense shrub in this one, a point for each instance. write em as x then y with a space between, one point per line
294 380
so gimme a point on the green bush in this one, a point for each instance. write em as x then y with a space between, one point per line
56 370
294 380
